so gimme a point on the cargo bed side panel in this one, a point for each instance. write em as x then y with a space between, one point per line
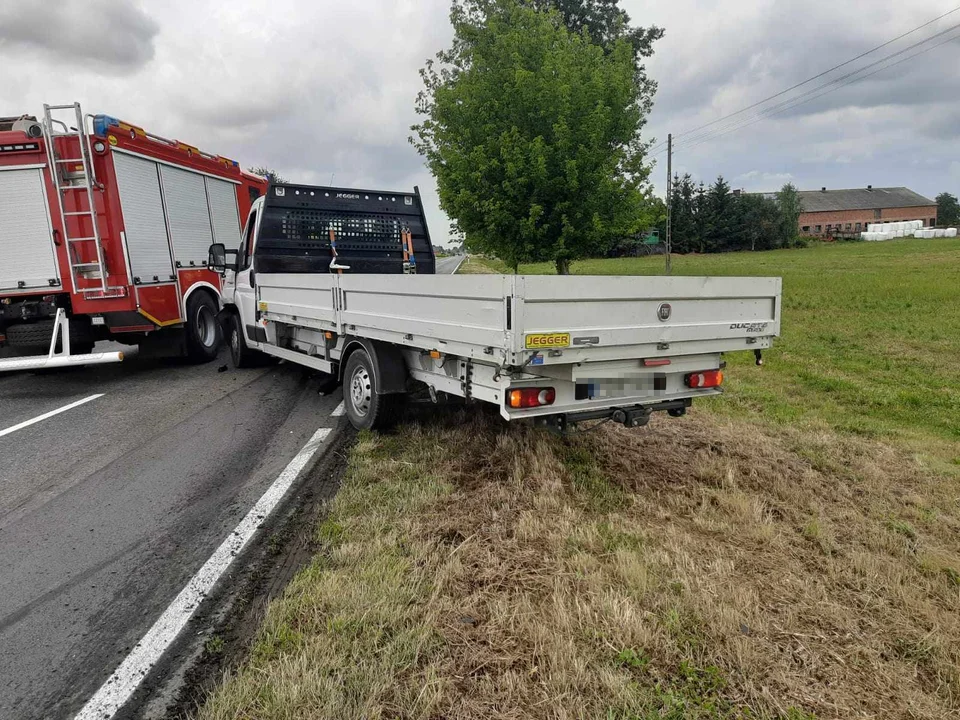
612 317
437 310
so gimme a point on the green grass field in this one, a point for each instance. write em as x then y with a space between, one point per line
870 337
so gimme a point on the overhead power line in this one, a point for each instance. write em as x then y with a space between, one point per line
818 76
700 137
825 92
839 82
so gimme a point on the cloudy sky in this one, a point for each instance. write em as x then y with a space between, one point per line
322 90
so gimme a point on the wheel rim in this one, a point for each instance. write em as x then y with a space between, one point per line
360 391
206 326
235 342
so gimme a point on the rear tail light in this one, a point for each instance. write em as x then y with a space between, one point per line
705 379
530 397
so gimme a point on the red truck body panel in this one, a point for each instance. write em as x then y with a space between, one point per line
131 303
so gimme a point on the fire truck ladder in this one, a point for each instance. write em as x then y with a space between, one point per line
59 166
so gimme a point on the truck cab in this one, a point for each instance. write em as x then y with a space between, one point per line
296 229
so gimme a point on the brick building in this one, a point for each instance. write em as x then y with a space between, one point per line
847 212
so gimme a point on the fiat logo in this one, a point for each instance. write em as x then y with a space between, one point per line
663 312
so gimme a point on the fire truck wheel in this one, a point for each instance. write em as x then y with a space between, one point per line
241 355
203 330
30 335
37 336
365 408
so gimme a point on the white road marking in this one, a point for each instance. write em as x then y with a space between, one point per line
454 271
39 418
118 688
338 410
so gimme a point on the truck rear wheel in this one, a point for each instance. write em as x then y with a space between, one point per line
203 330
365 408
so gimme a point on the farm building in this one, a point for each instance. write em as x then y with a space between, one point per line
847 212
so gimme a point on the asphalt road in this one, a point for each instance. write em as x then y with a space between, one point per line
446 265
108 508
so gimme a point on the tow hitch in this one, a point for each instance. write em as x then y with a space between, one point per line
631 417
634 417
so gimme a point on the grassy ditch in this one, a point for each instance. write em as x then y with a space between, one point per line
698 569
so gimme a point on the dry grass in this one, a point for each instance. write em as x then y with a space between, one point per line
694 569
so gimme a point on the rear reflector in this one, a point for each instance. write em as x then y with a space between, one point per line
656 362
705 379
530 397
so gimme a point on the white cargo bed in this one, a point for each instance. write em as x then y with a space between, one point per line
512 321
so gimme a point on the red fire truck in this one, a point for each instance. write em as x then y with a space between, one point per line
104 232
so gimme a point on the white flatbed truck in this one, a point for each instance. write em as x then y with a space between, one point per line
556 349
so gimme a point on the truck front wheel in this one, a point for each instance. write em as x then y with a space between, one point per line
242 356
365 408
203 330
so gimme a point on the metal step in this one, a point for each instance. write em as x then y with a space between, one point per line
81 212
66 160
82 239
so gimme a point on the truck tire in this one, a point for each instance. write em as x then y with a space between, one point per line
202 330
241 355
366 409
30 335
37 336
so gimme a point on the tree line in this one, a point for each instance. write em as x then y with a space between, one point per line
716 219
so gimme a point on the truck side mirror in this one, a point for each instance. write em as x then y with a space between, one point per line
217 258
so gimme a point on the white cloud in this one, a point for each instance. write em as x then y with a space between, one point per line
758 181
112 37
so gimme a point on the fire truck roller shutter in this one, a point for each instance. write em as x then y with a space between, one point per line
224 215
26 241
188 216
143 218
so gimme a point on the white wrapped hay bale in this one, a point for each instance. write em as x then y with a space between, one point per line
929 234
951 232
940 233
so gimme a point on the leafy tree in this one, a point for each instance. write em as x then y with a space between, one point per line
604 20
271 175
533 134
788 200
948 209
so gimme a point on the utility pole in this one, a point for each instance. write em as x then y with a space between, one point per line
669 194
